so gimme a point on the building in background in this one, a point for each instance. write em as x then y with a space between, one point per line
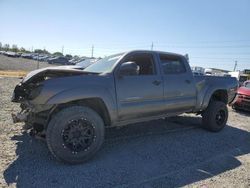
241 76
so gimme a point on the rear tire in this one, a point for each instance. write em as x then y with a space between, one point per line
214 118
75 134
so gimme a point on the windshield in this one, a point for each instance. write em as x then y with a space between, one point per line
104 65
86 63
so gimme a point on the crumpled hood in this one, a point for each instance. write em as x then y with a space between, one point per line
57 71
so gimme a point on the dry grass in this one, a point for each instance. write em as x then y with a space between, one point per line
11 73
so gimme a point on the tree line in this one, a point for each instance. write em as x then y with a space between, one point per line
15 48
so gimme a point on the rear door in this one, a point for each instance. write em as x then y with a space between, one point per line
179 86
140 95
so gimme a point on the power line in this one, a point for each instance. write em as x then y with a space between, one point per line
153 46
229 63
205 47
122 43
227 53
219 58
218 41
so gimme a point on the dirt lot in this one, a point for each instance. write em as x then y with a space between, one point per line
153 154
159 153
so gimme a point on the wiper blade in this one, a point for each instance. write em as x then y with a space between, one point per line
90 72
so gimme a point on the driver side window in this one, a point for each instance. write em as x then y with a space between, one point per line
145 63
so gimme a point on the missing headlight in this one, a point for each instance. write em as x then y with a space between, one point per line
35 92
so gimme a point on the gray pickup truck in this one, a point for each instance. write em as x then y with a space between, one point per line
71 108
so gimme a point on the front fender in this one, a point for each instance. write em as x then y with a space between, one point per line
86 92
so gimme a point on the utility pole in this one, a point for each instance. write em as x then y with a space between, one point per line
92 51
235 65
187 57
32 49
152 46
62 49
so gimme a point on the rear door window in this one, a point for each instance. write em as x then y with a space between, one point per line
172 64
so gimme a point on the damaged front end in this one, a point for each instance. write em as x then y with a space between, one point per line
36 114
23 93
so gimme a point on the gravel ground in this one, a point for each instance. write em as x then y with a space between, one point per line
10 63
159 153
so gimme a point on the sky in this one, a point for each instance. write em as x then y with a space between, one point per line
214 33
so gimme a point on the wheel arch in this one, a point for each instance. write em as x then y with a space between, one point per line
95 103
215 94
220 95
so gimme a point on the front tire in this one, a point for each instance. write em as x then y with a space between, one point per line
214 118
75 134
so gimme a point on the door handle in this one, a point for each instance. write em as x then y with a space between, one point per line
156 82
188 81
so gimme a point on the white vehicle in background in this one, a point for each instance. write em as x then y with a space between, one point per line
11 54
240 76
208 72
216 72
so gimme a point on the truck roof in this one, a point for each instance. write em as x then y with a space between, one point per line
150 51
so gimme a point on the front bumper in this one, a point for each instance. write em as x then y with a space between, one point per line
32 113
242 102
242 105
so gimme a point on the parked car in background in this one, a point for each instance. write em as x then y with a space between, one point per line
242 101
79 66
74 61
12 54
27 55
46 58
58 60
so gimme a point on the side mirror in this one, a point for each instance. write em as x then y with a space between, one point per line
129 69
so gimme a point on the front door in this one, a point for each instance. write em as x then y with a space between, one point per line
140 95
